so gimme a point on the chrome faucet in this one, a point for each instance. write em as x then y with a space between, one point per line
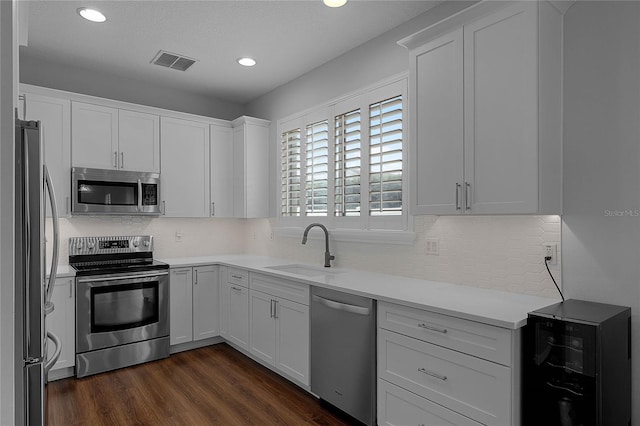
327 256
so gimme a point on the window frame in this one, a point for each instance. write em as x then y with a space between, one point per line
364 227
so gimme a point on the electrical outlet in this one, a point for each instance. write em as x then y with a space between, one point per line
551 250
433 247
271 236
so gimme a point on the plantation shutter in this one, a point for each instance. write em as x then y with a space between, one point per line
317 168
290 167
348 153
385 157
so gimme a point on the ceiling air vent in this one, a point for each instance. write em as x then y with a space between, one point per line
172 60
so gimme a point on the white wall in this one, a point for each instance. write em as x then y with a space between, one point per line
8 93
601 251
55 75
497 252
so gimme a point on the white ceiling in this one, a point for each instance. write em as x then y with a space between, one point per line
287 38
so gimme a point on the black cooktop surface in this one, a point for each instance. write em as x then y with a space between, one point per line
115 267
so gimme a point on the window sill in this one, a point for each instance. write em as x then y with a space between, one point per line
352 235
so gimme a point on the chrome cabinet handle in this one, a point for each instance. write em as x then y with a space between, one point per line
457 196
68 205
164 208
236 288
70 289
195 282
236 277
432 374
122 160
213 209
433 328
275 309
271 314
467 194
115 159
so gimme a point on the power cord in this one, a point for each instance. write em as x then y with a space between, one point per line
546 263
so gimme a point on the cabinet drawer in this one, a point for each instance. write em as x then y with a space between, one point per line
471 386
238 276
397 406
287 289
481 340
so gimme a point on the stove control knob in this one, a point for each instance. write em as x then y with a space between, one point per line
135 243
145 243
91 245
79 246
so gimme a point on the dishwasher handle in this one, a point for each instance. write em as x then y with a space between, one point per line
359 310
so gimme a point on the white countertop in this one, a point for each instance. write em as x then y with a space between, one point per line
499 308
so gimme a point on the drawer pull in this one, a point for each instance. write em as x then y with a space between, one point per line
237 277
433 328
236 288
432 374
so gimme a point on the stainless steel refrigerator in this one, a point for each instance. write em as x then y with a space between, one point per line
32 289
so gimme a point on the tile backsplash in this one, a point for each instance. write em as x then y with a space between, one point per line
498 252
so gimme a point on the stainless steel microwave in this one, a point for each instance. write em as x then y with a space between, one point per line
104 191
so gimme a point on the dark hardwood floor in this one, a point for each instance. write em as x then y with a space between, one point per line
215 385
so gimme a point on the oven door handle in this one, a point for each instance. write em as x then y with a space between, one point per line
123 277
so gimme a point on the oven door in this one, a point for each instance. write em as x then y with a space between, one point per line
118 309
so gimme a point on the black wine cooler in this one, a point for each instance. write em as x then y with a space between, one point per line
577 365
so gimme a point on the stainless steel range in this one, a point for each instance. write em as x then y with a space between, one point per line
122 303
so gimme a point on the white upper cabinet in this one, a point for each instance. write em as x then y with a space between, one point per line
485 91
55 116
221 166
94 136
139 141
185 168
111 138
251 167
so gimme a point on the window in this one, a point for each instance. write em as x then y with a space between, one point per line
317 168
347 164
385 157
290 172
343 164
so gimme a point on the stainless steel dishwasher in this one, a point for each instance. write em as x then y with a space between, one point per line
343 352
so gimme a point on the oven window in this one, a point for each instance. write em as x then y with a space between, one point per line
124 306
108 193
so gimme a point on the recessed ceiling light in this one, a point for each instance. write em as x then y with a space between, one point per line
246 62
335 3
91 14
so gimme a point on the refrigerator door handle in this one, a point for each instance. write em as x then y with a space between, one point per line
56 236
27 239
50 362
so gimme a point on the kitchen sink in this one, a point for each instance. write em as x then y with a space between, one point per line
305 270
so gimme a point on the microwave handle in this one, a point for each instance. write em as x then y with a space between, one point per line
139 195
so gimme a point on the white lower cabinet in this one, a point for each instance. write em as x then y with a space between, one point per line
62 322
234 306
397 406
436 365
193 304
279 327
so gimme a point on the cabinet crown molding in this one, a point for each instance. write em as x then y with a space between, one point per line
250 120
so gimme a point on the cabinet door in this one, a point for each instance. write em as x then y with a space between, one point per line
180 306
185 168
139 141
205 302
437 115
221 171
262 329
61 322
55 116
238 327
501 111
94 136
292 340
256 173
